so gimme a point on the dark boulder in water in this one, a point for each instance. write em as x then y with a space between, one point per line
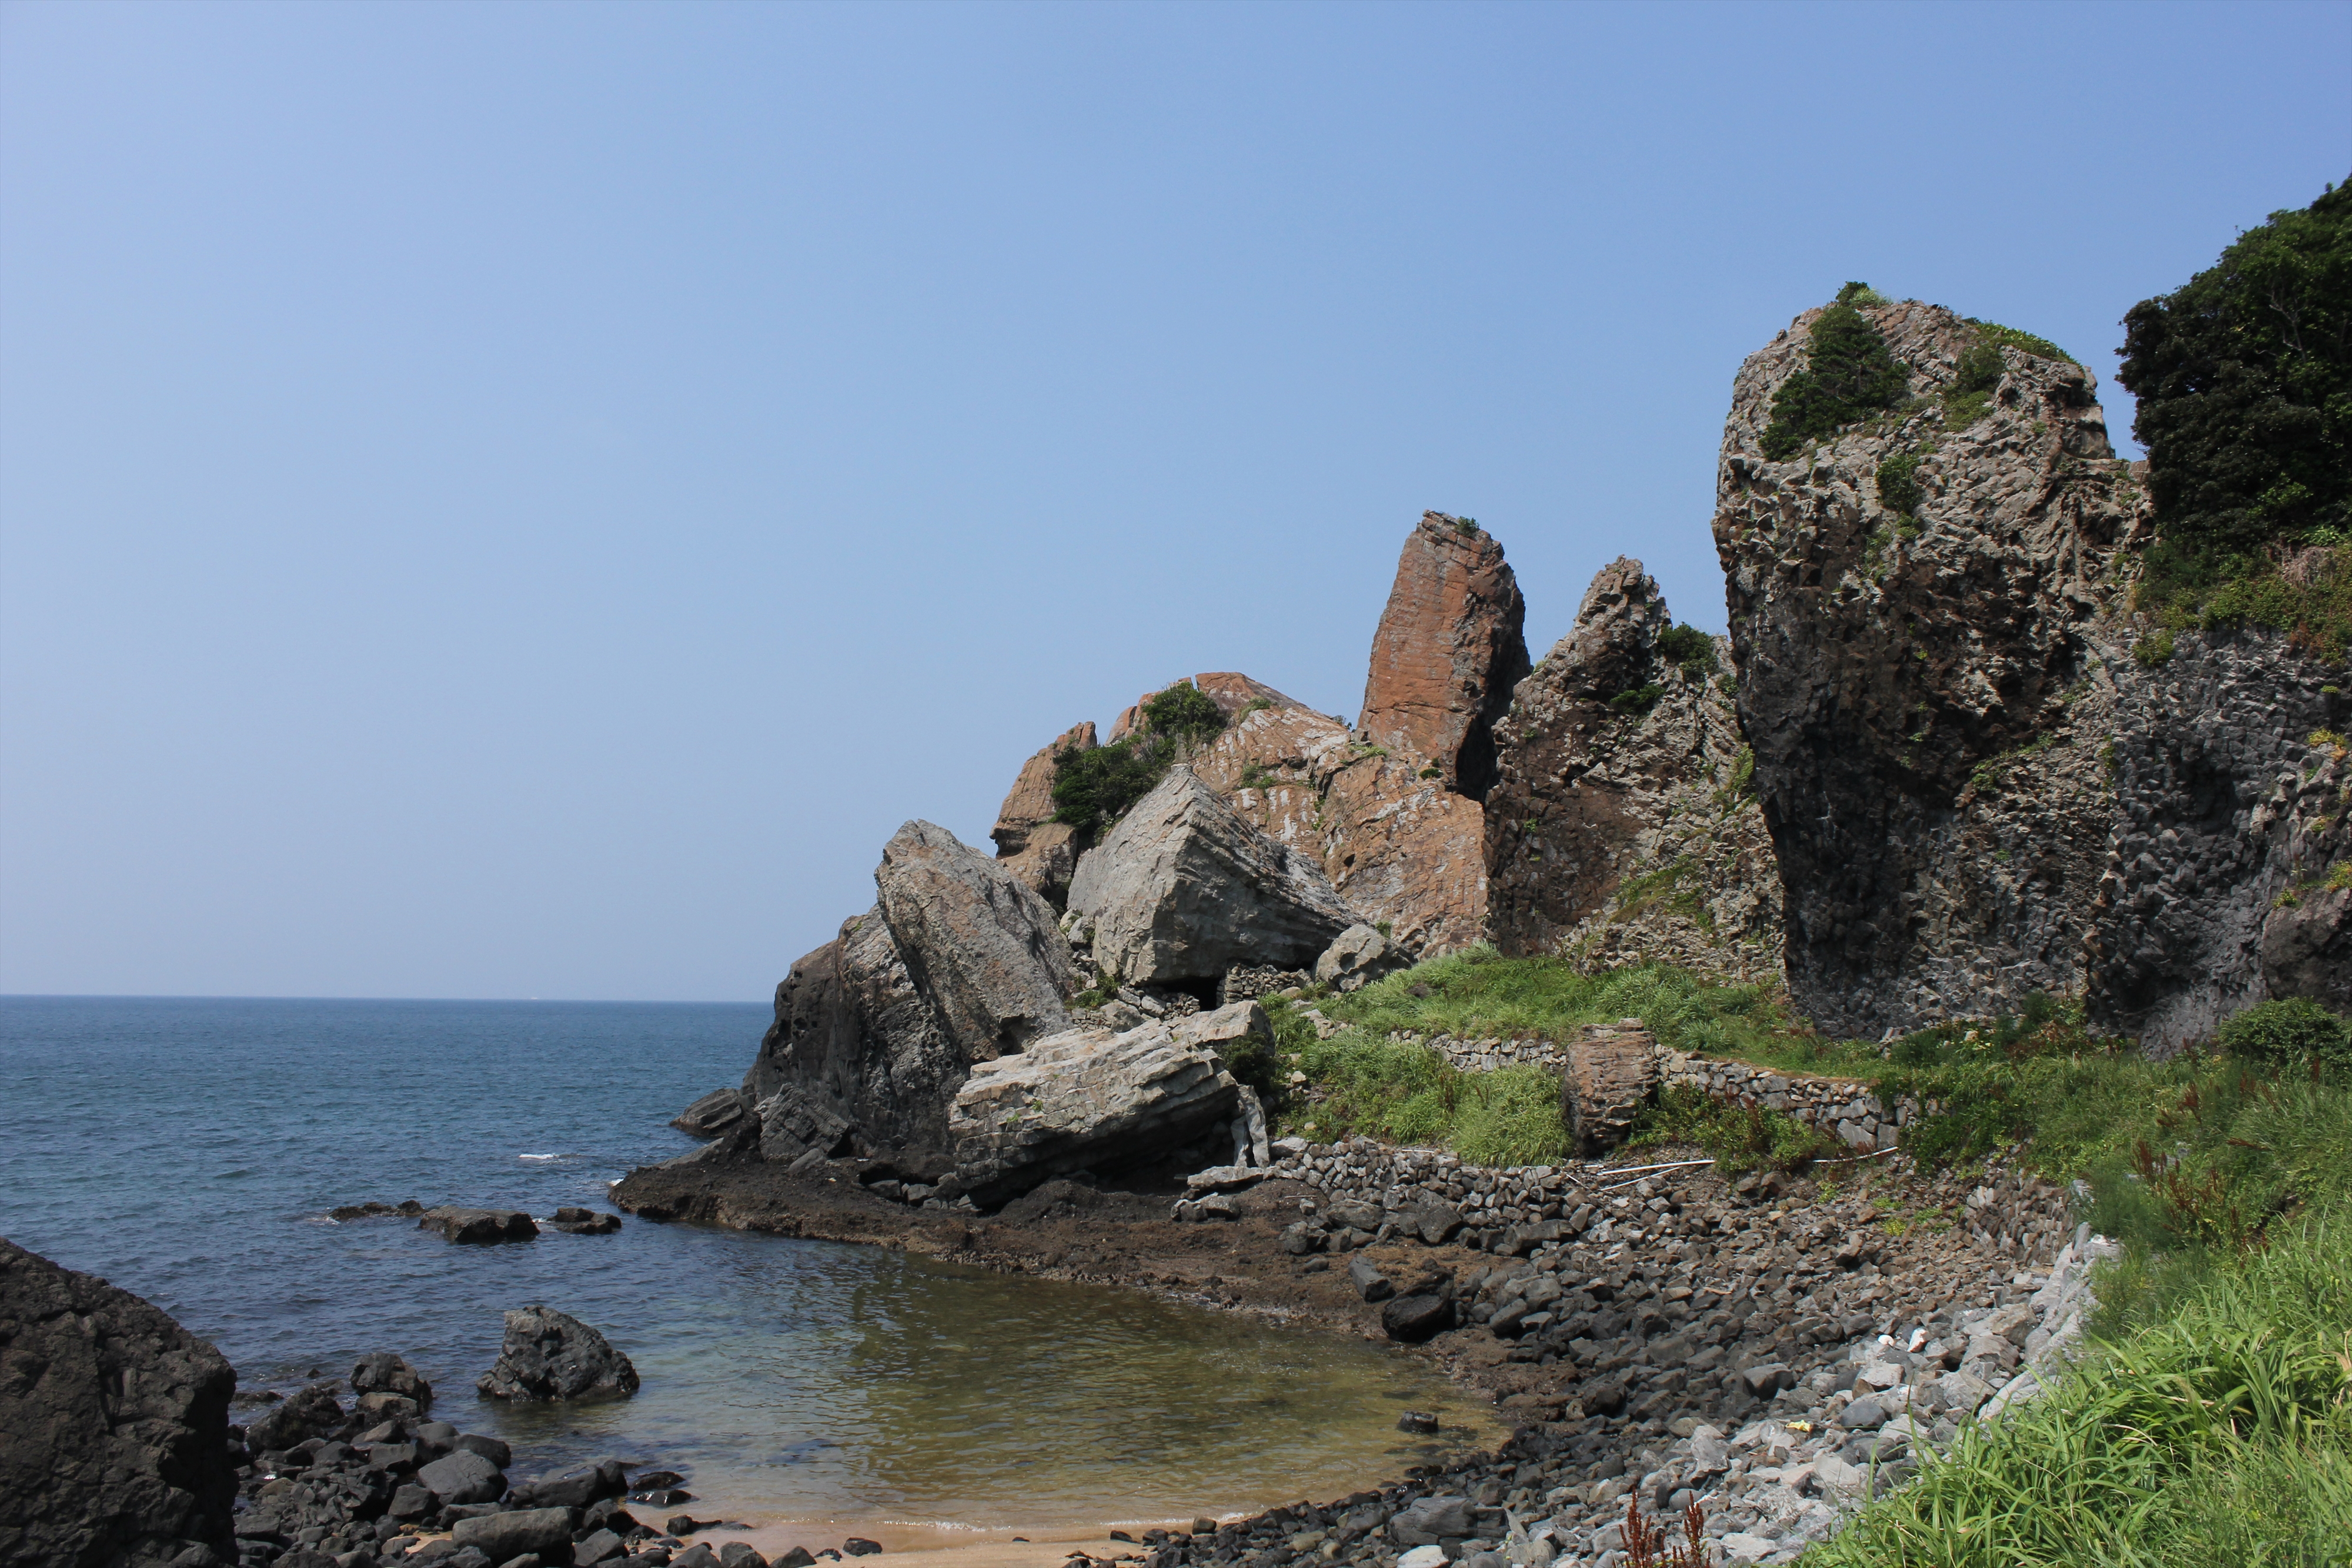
552 1356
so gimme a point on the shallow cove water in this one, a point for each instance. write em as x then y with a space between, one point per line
188 1150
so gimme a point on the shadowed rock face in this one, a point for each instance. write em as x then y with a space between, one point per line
1622 834
1451 645
1885 661
1184 888
113 1425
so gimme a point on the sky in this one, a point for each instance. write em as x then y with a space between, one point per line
524 499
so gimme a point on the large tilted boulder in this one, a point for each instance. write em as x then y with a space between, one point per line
550 1355
983 947
113 1425
1092 1100
720 1112
1183 889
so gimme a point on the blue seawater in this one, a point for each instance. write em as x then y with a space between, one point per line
189 1150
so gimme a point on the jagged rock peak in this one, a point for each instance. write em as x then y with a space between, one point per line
1234 692
1451 645
1619 831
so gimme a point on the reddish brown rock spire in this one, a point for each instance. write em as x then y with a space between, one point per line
1033 846
1449 650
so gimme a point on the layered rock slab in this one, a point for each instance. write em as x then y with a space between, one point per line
1450 646
1183 889
1624 832
113 1425
1089 1099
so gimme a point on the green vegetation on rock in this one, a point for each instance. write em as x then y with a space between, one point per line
2244 380
1687 647
1849 375
1898 486
1094 788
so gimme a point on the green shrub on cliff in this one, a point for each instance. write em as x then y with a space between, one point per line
1687 647
2288 1031
1094 787
1898 485
1848 375
2244 380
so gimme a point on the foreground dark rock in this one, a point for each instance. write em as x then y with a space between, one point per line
549 1355
479 1226
113 1425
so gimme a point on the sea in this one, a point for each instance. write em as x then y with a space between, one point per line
190 1150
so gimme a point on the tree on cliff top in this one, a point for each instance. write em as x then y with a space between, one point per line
2244 380
1093 788
1848 374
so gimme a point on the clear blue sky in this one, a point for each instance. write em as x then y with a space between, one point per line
512 500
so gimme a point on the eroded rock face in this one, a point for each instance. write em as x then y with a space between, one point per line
1613 1073
1183 889
550 1355
113 1425
2228 793
1092 1100
1034 847
985 948
1881 665
1451 645
854 1045
1626 833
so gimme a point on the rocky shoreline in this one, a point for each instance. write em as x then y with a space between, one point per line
1771 1349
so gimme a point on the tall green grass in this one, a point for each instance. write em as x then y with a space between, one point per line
2220 1434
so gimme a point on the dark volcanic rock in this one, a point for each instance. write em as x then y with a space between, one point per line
502 1537
1412 1319
720 1111
478 1225
312 1412
550 1354
113 1425
1620 829
383 1373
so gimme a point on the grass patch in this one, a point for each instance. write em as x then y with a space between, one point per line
2220 1435
1742 1136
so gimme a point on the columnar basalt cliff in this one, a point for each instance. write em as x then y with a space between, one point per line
1623 828
1975 790
1889 658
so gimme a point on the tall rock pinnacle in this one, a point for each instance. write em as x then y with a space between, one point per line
1450 648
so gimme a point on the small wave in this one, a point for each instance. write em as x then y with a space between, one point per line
538 1157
